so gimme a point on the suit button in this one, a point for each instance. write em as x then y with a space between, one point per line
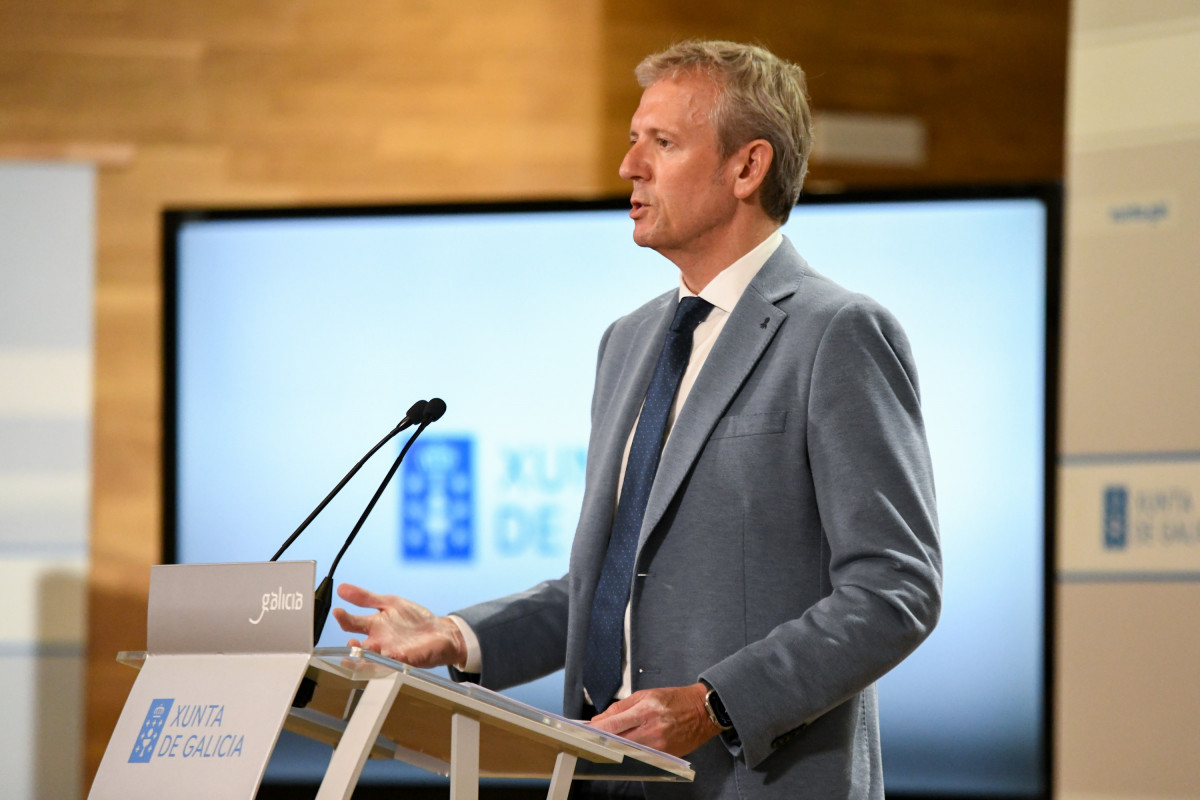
783 739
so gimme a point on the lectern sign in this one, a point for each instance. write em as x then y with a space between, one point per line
231 608
210 700
199 726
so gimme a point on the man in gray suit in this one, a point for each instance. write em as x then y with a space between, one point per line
779 552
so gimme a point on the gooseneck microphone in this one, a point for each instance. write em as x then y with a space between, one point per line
416 415
323 598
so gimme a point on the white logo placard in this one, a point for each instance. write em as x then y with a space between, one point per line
199 726
262 607
1130 516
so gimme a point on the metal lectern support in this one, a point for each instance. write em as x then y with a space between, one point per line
358 738
560 780
464 758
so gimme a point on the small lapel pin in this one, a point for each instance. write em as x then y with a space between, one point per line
763 324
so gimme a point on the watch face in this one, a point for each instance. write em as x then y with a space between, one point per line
716 710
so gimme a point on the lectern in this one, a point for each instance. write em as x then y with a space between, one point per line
228 646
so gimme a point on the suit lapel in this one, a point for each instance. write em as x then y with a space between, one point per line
628 393
750 328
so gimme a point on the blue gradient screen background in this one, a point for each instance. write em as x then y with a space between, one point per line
301 341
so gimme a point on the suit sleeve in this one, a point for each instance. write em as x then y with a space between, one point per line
523 637
873 484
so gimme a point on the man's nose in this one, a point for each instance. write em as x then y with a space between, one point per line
633 165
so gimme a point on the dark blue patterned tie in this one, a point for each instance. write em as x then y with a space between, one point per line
602 664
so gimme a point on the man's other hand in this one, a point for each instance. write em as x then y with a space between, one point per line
672 719
401 629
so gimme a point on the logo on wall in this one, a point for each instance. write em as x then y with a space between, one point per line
437 480
152 728
1116 518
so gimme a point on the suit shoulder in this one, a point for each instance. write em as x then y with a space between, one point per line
790 282
823 298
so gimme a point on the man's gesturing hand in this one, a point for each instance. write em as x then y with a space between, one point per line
672 720
401 629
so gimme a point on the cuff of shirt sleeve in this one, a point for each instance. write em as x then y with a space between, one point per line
474 662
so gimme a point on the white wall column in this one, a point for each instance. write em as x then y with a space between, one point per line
47 260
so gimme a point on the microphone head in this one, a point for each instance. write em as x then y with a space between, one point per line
434 410
416 412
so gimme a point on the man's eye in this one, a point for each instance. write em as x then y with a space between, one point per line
663 142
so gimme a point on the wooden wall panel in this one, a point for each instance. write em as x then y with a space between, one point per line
223 102
986 78
271 102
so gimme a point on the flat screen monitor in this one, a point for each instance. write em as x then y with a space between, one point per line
295 338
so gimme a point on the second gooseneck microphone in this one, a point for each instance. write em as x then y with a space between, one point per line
323 598
416 415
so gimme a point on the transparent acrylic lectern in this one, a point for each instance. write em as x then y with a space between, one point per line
216 686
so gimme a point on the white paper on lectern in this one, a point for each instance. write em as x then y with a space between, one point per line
199 726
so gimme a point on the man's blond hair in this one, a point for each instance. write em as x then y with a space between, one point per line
759 96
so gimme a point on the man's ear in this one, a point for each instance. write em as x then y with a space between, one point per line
752 161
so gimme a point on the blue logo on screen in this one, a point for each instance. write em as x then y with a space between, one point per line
1116 517
437 482
152 728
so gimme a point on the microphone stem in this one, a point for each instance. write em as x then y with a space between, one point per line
375 498
353 471
323 599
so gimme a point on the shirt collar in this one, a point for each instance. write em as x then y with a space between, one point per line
727 287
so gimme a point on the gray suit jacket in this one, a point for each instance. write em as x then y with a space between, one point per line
789 553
